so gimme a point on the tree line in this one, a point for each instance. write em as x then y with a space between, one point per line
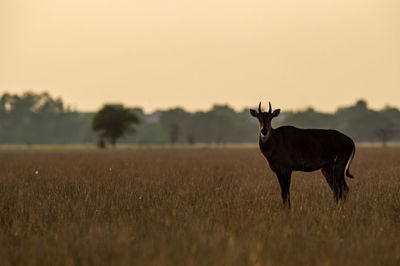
38 118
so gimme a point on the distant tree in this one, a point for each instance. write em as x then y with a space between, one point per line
191 139
309 118
174 123
359 122
113 122
174 132
38 118
393 114
219 125
101 144
384 134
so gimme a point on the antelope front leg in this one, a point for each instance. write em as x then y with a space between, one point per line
284 182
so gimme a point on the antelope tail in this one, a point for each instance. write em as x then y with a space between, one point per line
351 159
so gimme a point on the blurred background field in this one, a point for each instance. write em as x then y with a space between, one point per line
208 206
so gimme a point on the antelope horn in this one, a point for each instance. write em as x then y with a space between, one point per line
259 108
270 107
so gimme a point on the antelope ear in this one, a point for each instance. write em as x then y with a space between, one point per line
276 112
254 113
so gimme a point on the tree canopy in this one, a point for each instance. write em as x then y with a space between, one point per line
113 122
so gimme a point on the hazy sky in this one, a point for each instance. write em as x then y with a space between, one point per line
165 53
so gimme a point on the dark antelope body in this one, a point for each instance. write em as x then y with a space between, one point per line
289 149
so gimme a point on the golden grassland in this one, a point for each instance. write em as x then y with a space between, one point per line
192 207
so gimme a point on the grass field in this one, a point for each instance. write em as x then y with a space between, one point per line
192 207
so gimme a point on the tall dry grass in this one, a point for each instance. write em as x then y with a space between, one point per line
192 207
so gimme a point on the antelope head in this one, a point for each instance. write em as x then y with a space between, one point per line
264 121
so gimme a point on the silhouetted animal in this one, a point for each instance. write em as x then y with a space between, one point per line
288 149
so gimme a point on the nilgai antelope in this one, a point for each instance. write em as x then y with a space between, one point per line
289 149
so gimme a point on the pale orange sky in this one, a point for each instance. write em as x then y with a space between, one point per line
160 54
